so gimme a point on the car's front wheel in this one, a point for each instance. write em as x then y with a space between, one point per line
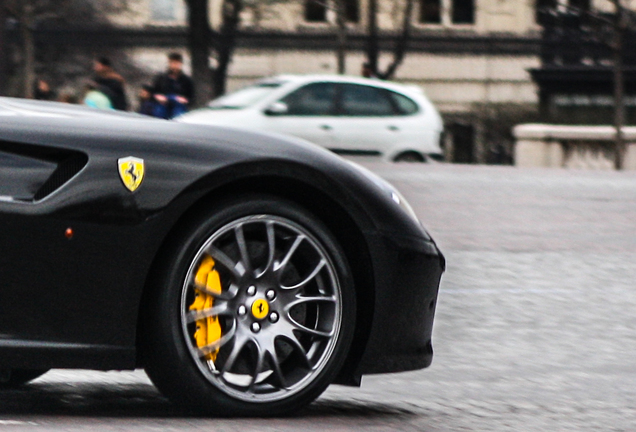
251 311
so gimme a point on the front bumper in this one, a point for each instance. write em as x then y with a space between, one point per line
407 272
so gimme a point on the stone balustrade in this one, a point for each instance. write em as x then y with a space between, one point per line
564 146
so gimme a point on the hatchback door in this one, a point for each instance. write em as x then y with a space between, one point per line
306 112
373 120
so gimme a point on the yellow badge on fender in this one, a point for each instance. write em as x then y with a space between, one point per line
131 172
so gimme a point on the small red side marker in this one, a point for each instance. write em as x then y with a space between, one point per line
69 233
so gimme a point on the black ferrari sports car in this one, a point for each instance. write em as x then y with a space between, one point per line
244 272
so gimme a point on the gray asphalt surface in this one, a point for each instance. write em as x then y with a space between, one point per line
535 326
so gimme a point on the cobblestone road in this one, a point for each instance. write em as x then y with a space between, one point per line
535 329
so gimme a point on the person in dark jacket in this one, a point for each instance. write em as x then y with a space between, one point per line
173 89
110 83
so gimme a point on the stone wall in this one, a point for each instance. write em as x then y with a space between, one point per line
582 147
500 16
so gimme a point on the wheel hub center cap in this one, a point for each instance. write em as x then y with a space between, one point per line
260 309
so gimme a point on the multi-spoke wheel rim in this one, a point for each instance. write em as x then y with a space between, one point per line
261 308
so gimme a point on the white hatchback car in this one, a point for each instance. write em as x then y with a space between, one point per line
347 115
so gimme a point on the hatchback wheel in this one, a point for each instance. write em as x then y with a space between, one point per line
409 156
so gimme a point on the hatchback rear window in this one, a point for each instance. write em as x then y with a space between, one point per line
367 101
404 105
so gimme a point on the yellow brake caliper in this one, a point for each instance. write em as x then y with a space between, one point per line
208 329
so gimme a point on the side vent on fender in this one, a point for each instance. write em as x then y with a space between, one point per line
30 173
65 170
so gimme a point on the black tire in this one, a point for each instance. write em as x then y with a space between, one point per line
410 156
280 330
18 377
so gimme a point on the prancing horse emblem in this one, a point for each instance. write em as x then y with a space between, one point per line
131 172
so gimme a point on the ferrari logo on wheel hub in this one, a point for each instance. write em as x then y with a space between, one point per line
260 308
131 172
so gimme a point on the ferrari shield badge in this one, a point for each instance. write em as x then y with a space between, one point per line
131 172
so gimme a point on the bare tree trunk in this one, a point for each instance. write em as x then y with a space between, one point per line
226 43
619 107
402 42
200 39
3 52
373 49
619 85
28 41
341 24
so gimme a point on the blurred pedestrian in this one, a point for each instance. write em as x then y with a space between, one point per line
147 103
95 98
42 90
110 83
68 97
173 89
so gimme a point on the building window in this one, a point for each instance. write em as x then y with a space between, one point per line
541 7
352 10
447 12
431 11
163 10
317 10
463 12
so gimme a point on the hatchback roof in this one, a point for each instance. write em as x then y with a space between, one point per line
285 78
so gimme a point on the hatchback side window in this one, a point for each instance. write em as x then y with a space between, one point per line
365 101
315 99
404 105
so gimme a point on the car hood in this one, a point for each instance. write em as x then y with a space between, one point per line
12 107
184 156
